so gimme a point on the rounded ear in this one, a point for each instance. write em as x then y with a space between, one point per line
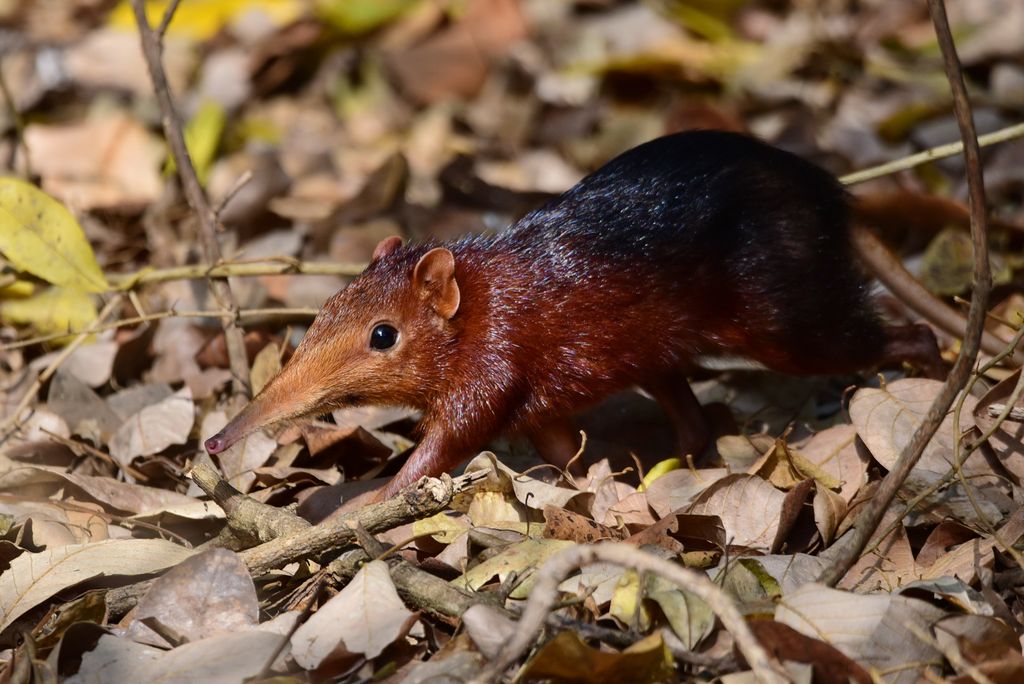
434 277
386 246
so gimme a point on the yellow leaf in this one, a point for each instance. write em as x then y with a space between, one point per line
361 16
55 310
202 137
443 527
17 288
523 559
627 602
39 236
659 469
201 19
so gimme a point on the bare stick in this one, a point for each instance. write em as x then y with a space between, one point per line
418 500
19 123
263 267
931 154
554 571
152 49
891 272
158 315
871 515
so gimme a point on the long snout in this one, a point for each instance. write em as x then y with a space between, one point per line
285 397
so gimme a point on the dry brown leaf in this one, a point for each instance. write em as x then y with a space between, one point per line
155 428
870 628
836 451
223 659
1008 439
38 525
455 61
208 594
108 162
124 497
91 363
829 511
36 577
677 489
886 419
530 492
749 507
630 510
488 627
365 617
524 557
84 411
562 524
890 563
567 657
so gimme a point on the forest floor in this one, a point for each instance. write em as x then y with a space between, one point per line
142 302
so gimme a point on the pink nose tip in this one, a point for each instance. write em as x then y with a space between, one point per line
216 444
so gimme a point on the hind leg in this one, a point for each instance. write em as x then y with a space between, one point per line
672 391
916 345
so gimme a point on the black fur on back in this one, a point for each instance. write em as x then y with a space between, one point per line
760 233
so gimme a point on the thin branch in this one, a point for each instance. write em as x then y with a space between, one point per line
158 315
555 570
219 288
929 155
165 22
871 515
1005 413
262 267
19 122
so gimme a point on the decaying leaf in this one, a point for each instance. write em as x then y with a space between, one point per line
566 657
365 617
749 508
155 428
207 594
35 577
222 659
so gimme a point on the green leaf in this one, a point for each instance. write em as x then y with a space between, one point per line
55 310
39 236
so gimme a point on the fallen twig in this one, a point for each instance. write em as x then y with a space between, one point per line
237 268
555 570
871 514
249 521
152 49
158 315
930 155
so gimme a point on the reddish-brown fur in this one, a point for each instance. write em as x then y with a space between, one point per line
693 245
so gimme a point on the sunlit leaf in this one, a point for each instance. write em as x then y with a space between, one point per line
360 16
202 137
658 470
55 310
201 19
40 236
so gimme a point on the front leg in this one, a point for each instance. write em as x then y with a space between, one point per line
437 453
433 456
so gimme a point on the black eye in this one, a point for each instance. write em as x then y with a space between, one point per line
383 336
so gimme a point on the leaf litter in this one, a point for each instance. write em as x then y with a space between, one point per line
364 119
